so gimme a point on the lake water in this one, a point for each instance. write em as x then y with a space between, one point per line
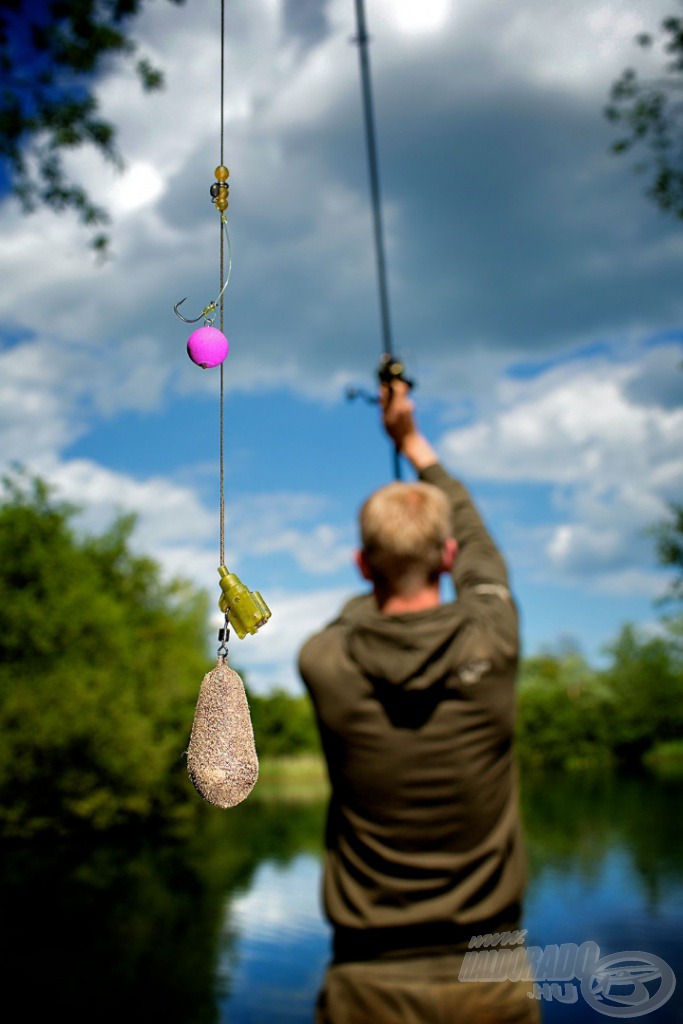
225 927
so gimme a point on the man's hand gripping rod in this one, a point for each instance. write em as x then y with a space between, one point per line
390 369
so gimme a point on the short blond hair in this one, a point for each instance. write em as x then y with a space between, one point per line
403 528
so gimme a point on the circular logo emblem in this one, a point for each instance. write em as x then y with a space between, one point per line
628 984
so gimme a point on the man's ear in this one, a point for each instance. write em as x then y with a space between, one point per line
450 553
362 563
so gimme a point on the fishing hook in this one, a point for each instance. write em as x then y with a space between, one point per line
204 313
212 306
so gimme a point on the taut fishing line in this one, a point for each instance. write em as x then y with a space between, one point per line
221 756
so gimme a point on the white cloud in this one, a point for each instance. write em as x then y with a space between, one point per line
572 423
140 184
52 389
509 232
416 18
269 657
612 461
304 268
39 412
576 48
167 513
280 899
290 523
317 550
174 527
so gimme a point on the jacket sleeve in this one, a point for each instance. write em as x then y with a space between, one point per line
481 582
479 562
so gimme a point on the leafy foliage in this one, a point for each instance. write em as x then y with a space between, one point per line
564 712
51 54
646 678
669 539
100 663
572 715
651 114
283 724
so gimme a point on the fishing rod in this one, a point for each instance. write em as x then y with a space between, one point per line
390 368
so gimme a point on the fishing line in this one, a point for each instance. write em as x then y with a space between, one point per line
221 756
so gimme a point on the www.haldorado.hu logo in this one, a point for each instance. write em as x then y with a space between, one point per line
628 984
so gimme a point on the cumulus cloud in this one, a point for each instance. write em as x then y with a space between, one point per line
290 523
166 511
512 236
592 430
180 532
270 657
34 418
504 213
175 526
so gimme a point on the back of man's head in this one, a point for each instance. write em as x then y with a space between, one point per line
403 529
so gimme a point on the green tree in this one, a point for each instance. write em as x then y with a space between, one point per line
669 539
51 55
100 665
650 112
563 712
646 679
284 724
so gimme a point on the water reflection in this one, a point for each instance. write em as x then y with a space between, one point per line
605 865
105 931
141 926
576 821
283 948
223 925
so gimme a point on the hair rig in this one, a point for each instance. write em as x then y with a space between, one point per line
207 346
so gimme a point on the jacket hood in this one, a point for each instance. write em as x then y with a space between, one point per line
413 650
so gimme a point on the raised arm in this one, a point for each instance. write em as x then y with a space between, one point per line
479 563
398 419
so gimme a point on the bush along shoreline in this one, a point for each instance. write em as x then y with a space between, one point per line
628 714
101 661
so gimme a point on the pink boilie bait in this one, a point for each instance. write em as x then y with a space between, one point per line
207 347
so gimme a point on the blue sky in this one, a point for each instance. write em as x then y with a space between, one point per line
535 293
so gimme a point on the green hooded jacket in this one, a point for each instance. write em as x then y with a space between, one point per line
416 715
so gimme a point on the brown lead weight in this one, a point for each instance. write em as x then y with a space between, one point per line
221 757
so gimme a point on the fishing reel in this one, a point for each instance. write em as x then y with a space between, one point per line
390 369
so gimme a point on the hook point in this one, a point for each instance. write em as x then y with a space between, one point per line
184 318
